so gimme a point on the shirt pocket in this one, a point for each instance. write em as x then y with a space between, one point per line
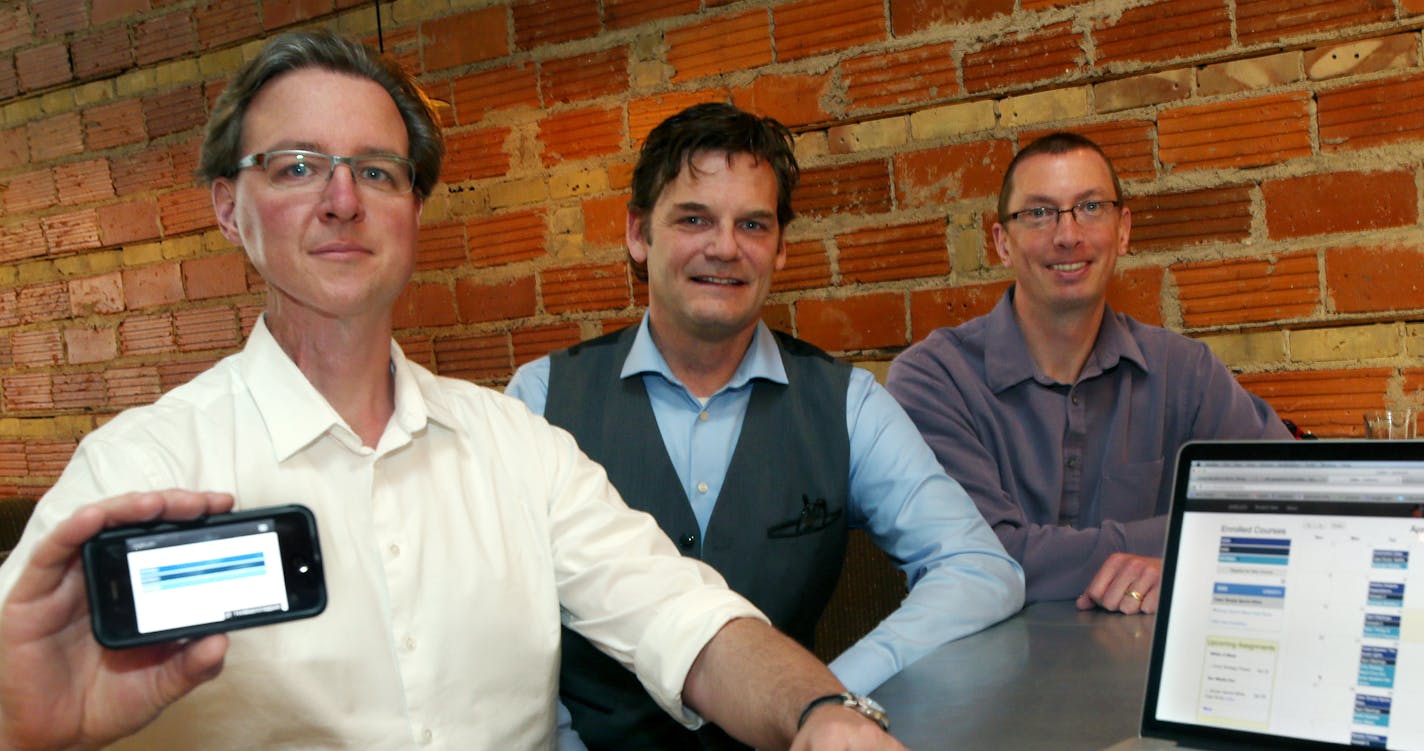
1130 491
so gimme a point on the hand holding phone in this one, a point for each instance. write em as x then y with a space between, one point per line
159 582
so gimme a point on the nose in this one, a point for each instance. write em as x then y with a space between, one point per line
339 198
722 245
1067 232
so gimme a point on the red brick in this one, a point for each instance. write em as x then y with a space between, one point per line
1354 59
1370 279
712 46
475 154
199 329
134 221
881 254
89 345
860 187
146 334
950 173
507 238
539 22
1138 293
164 37
56 17
1372 113
645 114
474 357
71 231
434 304
76 391
419 349
1260 21
467 38
871 321
247 314
97 295
12 458
16 28
936 308
1050 53
1166 30
22 239
174 111
807 266
1173 220
440 246
48 457
185 161
910 16
503 301
579 134
43 66
9 311
116 124
792 100
130 387
532 342
1312 205
186 210
43 302
1247 290
37 349
223 22
28 392
9 80
14 149
624 14
605 220
142 171
55 137
1128 143
885 79
30 191
1239 133
152 285
173 374
482 92
83 182
585 288
215 276
279 13
590 76
1326 402
811 27
104 11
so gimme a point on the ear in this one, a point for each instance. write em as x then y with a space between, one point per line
780 261
633 235
1124 231
225 207
1001 245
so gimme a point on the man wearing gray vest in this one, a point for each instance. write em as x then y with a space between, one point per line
755 452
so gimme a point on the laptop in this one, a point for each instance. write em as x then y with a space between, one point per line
1292 603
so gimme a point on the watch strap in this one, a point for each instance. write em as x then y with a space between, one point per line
864 706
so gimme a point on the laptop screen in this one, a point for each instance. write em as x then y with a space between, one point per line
1292 602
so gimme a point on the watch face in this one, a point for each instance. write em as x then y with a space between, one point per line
870 708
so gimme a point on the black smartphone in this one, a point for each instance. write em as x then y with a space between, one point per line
162 581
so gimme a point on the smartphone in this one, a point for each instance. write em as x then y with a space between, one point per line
163 581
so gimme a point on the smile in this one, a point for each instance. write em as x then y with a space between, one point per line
1068 266
718 280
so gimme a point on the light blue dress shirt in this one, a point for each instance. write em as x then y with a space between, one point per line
961 579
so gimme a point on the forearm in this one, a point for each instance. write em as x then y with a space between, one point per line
1059 562
753 681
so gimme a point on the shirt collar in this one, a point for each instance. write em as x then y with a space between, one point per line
1008 362
762 360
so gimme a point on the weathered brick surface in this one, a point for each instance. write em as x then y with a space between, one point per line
132 386
43 66
1172 220
1138 293
30 191
721 45
48 457
83 182
604 220
951 306
854 323
622 14
1370 279
475 154
152 285
431 304
164 36
507 238
42 302
918 74
579 134
1128 143
104 11
71 231
1254 74
14 149
30 391
199 329
465 38
131 221
1213 293
858 187
473 357
950 173
56 17
37 349
482 92
55 137
97 295
539 22
174 111
1236 133
599 287
792 100
16 28
1371 113
910 16
500 301
440 246
222 22
1260 21
279 13
1357 58
812 27
117 124
186 210
536 341
215 276
590 76
23 239
645 113
1328 403
1312 205
1051 52
142 171
882 254
1164 31
90 345
1143 90
173 374
807 266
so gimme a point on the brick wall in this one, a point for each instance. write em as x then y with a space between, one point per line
1271 154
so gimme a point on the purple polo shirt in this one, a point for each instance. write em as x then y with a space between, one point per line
1067 474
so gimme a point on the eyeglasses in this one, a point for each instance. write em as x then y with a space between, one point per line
1086 213
298 170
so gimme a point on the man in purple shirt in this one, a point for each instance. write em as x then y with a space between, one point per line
1061 417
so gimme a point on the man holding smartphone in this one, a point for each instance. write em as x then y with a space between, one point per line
459 531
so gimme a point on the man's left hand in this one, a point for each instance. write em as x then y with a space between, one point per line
1125 583
835 728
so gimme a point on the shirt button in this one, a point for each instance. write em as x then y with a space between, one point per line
410 644
686 542
702 487
702 416
427 735
394 550
1074 398
1071 461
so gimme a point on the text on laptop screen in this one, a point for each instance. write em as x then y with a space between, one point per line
1298 602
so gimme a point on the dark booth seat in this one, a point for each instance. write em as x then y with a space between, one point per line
14 514
869 588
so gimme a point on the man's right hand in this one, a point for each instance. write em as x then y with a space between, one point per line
58 687
1125 583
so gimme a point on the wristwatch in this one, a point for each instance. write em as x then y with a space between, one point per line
862 704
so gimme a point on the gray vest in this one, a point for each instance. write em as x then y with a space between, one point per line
777 533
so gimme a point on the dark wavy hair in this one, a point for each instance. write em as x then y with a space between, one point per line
297 50
1061 142
714 127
